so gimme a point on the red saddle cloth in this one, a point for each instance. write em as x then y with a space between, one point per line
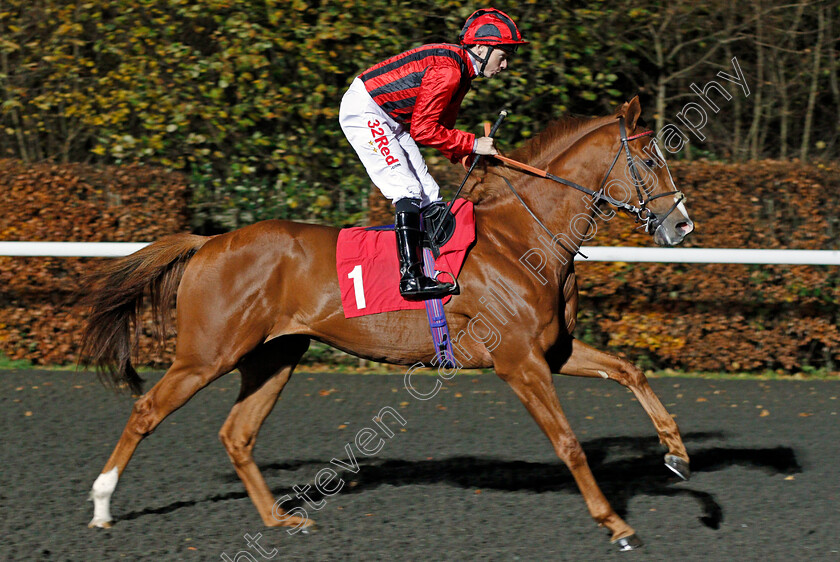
369 270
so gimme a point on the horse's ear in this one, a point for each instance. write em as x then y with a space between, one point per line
621 110
632 110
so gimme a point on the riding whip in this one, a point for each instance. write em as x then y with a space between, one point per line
502 114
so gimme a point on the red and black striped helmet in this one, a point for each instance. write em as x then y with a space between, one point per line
490 26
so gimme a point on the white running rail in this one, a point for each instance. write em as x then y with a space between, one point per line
595 253
70 249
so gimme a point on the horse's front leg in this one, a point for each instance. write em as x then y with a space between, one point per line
531 380
586 361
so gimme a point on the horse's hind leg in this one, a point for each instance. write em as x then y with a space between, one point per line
531 380
178 385
265 371
587 361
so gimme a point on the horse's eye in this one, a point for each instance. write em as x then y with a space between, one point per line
649 163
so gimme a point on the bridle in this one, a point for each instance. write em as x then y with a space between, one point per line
650 220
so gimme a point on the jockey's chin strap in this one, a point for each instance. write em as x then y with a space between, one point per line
484 60
642 213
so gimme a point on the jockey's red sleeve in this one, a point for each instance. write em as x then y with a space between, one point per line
435 112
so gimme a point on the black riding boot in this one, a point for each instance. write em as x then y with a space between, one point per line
413 284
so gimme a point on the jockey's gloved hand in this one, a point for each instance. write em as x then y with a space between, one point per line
485 146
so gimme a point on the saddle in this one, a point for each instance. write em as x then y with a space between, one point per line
368 268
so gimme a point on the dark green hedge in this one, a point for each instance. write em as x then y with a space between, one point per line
243 95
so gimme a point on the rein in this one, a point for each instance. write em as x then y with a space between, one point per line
539 222
642 213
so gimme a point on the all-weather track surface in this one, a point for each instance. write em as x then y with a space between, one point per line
468 477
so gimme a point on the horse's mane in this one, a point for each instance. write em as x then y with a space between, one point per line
539 151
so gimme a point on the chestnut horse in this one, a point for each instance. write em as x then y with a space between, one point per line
252 300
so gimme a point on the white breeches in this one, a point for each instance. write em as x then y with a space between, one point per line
391 157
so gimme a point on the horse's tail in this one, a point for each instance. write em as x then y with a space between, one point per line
115 294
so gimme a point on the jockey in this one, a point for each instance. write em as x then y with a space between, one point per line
414 98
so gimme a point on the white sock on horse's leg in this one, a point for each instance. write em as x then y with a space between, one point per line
100 494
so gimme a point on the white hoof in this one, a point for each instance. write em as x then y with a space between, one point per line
101 523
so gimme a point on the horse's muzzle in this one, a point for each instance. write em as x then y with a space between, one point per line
673 230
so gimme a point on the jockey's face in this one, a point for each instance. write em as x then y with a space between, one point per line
497 62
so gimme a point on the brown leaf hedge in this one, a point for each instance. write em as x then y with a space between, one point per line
727 317
698 317
40 318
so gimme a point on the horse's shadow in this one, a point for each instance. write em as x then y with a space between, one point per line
623 467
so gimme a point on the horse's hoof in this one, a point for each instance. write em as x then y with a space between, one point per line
310 529
628 543
101 524
678 466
